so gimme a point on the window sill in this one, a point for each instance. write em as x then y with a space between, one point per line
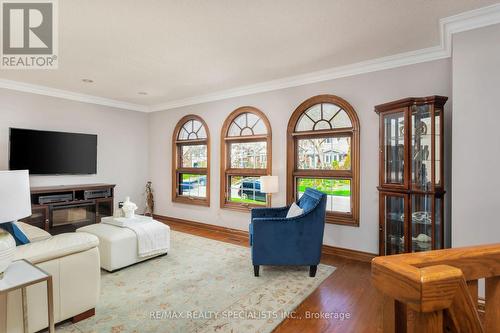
191 201
240 207
342 220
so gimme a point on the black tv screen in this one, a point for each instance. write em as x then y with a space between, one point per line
52 153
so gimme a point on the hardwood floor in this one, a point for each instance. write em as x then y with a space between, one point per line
347 291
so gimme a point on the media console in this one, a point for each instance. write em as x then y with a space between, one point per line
59 209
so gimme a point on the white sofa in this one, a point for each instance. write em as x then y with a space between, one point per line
73 261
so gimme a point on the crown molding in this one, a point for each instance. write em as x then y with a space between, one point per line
448 26
70 95
398 60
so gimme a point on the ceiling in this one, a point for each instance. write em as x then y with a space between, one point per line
180 49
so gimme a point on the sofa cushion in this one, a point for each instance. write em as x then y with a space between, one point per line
56 247
307 203
33 233
294 211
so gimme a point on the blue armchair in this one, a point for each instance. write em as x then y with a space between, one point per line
276 240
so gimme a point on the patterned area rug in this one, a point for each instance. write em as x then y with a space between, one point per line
202 285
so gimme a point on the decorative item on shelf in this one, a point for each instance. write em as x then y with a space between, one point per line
129 208
422 238
419 155
16 204
421 128
402 128
269 185
119 211
423 242
421 217
150 200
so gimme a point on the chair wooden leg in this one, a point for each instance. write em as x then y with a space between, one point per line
256 270
312 270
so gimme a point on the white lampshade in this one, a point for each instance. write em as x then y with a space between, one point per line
15 197
269 184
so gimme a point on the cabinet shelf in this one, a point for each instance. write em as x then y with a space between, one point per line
398 139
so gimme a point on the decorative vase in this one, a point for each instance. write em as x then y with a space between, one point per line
150 200
7 249
129 208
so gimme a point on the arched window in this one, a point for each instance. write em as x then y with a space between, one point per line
323 153
191 162
245 156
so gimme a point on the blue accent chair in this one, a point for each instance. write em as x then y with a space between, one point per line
276 240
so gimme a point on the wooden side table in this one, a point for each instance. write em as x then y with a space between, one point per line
20 275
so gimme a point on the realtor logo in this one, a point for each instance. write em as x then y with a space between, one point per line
29 34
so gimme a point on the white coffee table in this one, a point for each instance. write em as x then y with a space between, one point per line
20 275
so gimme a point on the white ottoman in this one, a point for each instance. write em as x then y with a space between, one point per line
117 246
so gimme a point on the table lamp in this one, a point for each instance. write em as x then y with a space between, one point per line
15 204
269 185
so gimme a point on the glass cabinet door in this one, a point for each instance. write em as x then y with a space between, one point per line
39 217
394 225
104 208
438 223
421 222
421 147
394 147
438 123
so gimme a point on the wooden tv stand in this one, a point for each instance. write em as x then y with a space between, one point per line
69 207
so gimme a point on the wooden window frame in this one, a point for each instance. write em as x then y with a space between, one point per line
225 169
350 219
177 168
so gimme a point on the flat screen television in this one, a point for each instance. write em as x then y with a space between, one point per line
52 153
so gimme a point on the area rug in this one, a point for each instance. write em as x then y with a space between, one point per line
202 285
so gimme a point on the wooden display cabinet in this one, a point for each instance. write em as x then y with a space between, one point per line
411 171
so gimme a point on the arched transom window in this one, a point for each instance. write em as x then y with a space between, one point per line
191 162
247 124
245 156
323 116
193 129
323 153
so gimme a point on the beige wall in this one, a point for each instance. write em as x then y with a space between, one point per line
122 138
476 137
362 91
